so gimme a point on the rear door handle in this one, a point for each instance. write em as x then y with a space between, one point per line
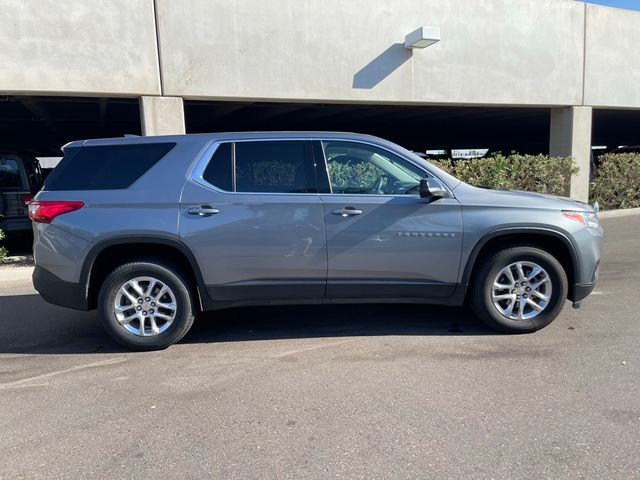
347 211
203 211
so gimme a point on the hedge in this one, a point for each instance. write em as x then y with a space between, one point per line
535 173
617 181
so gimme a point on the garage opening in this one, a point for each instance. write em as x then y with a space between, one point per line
418 128
41 125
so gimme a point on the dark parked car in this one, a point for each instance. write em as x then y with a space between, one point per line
20 179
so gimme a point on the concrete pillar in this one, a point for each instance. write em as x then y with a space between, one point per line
570 136
162 115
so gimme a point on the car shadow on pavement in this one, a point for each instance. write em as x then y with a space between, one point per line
317 321
31 326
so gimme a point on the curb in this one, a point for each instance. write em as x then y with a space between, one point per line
623 212
8 273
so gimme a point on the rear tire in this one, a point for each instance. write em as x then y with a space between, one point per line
505 303
146 305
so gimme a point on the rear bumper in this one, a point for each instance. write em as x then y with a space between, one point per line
59 292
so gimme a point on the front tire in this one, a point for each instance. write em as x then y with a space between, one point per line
519 290
146 305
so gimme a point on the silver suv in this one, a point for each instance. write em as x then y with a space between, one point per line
150 231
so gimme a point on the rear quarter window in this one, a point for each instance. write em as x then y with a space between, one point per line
105 167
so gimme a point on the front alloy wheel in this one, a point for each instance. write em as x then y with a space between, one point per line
519 290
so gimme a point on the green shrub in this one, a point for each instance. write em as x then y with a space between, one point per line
348 175
534 173
617 181
3 251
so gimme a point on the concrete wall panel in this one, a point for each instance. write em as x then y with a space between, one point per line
79 47
612 58
526 52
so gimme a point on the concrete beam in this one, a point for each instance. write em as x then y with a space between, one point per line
570 136
162 115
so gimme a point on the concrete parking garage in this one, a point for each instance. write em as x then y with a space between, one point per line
545 86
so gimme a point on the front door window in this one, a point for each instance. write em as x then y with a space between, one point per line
356 168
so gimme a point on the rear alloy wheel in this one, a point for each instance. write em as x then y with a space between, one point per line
146 305
519 290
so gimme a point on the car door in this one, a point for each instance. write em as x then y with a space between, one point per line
383 240
255 223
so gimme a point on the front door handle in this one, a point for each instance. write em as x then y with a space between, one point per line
347 211
203 211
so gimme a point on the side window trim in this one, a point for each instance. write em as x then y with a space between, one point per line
209 151
320 163
233 167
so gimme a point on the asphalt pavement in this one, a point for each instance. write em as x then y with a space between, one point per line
328 392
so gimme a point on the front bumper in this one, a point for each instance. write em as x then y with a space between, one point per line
59 292
582 291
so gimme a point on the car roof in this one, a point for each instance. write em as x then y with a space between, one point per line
222 136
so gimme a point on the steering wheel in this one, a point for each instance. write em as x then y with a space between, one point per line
379 183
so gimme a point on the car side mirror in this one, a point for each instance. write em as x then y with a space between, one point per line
432 188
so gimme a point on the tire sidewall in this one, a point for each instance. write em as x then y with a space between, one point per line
558 285
184 304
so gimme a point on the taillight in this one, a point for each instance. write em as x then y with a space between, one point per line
44 211
26 199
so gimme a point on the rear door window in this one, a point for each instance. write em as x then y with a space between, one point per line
105 167
10 174
274 167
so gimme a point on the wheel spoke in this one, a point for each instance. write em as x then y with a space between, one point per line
534 273
150 287
136 286
502 286
141 328
534 305
509 274
127 294
128 319
509 310
160 294
504 296
521 275
539 283
540 295
521 308
168 306
154 327
168 318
